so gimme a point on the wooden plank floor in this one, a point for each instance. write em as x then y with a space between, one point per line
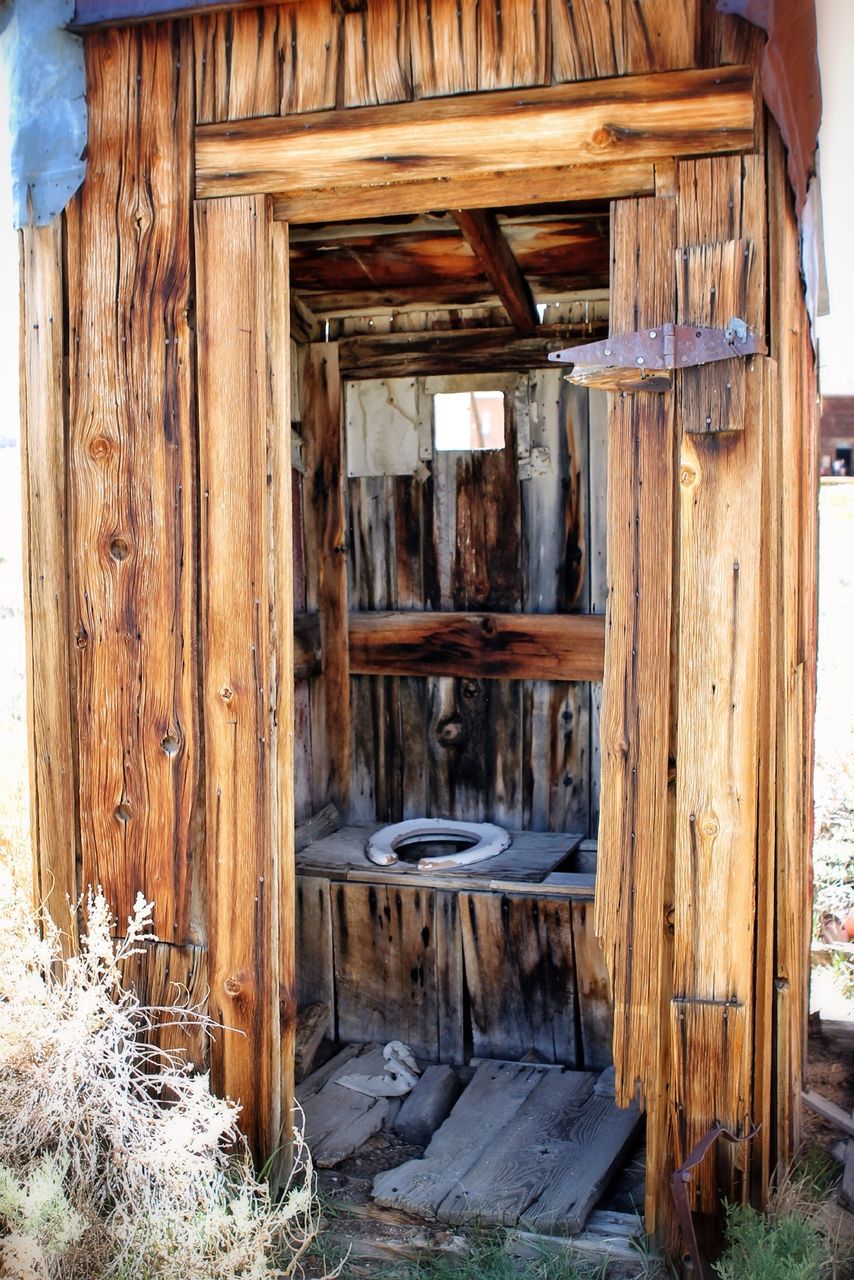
524 1146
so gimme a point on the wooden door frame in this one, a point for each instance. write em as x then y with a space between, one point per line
246 580
241 176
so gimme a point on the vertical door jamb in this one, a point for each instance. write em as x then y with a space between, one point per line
246 556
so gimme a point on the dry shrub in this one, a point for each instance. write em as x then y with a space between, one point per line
115 1159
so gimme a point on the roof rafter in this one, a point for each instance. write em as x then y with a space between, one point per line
486 239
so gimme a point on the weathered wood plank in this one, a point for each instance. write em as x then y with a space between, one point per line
720 534
320 824
513 43
238 56
475 190
312 1026
520 976
634 845
515 1167
714 285
427 1105
376 53
170 979
484 235
326 567
488 645
591 39
131 481
313 924
491 1100
443 38
450 979
695 112
384 942
247 612
596 1014
46 557
634 874
339 1120
397 355
586 1162
797 495
308 649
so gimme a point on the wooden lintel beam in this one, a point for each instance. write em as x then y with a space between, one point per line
626 118
494 350
475 190
510 646
487 242
89 15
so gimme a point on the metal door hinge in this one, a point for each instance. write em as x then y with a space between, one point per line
645 359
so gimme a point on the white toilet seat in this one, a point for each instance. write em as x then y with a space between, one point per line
489 841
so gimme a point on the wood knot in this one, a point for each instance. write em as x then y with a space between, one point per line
710 827
687 476
450 732
226 693
487 626
81 636
469 689
603 137
100 447
171 744
122 812
232 987
119 549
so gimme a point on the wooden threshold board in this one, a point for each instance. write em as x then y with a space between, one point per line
531 858
524 1145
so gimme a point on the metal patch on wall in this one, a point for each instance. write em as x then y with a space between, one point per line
383 427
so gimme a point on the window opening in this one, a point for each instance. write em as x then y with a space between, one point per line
468 420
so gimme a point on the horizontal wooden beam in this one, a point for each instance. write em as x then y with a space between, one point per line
91 14
487 188
398 355
671 113
510 646
308 654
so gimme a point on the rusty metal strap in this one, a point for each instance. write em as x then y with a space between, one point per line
681 1180
669 346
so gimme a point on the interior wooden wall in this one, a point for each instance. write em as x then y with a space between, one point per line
472 535
114 494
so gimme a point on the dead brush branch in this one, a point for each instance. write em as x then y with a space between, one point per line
117 1161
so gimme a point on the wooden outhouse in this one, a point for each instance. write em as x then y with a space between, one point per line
262 581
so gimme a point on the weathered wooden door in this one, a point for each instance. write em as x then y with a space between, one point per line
676 905
246 607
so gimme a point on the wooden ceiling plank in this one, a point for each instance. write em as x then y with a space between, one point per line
481 230
647 117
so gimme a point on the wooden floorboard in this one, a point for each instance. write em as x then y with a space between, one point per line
339 1120
488 1104
515 1167
582 1167
525 1146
